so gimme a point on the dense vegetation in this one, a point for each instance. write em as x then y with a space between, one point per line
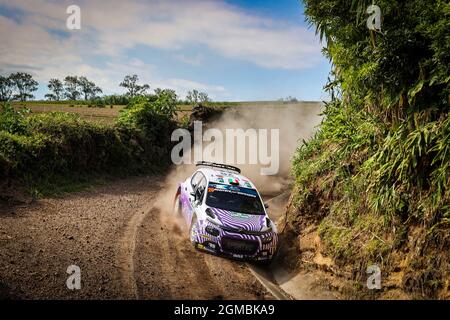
376 176
41 150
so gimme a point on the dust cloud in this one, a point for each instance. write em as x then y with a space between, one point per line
295 122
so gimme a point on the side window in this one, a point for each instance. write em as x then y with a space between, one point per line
196 179
201 187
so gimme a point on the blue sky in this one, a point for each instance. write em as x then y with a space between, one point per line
235 50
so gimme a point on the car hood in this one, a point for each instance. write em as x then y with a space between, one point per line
236 220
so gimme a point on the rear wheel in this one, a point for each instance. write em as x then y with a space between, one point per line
177 206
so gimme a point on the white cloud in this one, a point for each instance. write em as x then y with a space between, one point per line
110 28
194 60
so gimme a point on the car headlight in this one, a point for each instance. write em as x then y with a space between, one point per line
214 222
209 213
267 240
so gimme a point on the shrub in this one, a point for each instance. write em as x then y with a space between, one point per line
149 115
12 120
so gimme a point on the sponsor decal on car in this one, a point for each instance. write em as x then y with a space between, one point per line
239 215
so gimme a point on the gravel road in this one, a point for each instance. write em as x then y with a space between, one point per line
125 246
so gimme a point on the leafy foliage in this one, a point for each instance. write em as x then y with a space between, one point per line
6 88
12 120
75 87
17 86
88 88
379 166
72 88
45 147
56 88
194 97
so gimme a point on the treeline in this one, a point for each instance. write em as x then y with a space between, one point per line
20 86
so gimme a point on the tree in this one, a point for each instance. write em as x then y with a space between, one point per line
288 99
23 85
57 89
130 82
194 97
203 96
72 87
166 102
6 88
88 88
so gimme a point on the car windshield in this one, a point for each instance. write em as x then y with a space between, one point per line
234 198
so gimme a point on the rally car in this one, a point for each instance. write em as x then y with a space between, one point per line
225 213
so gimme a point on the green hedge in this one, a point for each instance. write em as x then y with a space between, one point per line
62 144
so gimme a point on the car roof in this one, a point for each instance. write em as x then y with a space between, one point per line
224 176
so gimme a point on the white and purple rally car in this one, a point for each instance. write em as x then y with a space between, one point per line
225 213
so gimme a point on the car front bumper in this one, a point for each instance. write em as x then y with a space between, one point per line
239 245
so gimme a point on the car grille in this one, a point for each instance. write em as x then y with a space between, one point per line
239 246
243 231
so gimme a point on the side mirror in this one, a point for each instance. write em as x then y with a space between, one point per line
266 205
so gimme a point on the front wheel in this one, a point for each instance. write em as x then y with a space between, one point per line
193 231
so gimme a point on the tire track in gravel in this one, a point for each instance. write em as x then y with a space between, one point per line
126 251
90 229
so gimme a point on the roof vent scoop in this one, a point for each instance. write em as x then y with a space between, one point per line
218 165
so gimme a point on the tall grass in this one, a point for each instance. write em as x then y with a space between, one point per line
376 176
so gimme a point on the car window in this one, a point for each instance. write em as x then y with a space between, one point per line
196 179
200 188
234 198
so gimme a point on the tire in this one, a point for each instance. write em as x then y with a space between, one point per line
264 263
191 230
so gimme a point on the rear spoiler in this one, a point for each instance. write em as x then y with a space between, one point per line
218 165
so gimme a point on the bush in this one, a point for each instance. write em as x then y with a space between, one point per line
12 120
150 115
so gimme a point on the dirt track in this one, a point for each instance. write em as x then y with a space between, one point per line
126 249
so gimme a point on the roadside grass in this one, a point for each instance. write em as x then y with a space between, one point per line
56 186
59 186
